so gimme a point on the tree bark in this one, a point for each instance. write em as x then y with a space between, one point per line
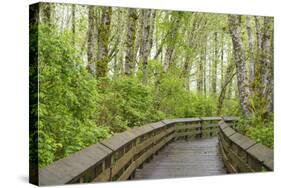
73 9
205 70
222 61
172 39
251 49
130 41
258 33
46 13
215 64
103 42
200 73
239 57
92 40
145 44
267 76
151 30
228 80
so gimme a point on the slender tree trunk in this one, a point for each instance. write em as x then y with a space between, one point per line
230 90
205 71
130 41
73 9
210 73
228 80
92 40
267 73
258 33
258 66
186 72
144 50
103 42
120 68
239 57
149 42
215 64
172 39
200 72
139 39
251 49
151 31
46 13
222 63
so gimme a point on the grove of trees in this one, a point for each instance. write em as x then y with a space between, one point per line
103 70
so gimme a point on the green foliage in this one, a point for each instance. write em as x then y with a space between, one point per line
170 95
231 107
201 106
67 99
174 100
260 125
126 103
257 128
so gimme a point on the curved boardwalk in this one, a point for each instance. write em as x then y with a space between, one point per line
200 157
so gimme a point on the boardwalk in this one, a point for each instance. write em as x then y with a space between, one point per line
185 159
121 156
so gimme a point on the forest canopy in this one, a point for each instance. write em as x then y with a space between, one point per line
103 70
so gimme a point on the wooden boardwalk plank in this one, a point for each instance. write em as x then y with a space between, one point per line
185 159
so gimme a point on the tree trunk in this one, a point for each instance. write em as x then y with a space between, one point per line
239 58
205 71
103 42
172 39
46 12
130 41
151 31
251 49
73 9
92 40
186 72
119 68
144 48
215 64
200 72
139 38
267 73
222 63
228 80
258 33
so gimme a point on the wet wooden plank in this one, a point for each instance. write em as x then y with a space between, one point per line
211 118
139 131
157 125
228 131
242 141
223 125
230 118
262 154
200 157
181 120
119 140
66 169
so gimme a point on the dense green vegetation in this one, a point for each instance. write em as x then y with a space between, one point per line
105 70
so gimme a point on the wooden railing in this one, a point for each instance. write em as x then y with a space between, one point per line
118 157
242 154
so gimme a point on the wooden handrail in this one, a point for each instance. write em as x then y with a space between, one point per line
117 157
242 154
